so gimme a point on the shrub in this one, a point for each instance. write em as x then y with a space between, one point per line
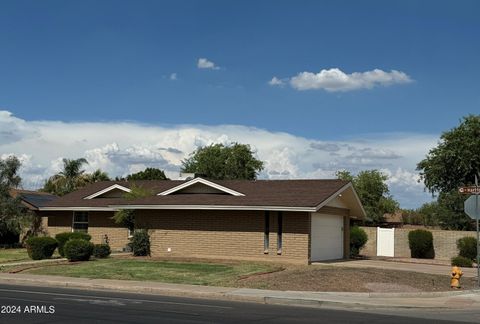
101 250
62 238
461 261
39 248
358 238
78 250
140 243
421 244
467 247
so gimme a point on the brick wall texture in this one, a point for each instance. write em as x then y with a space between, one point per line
197 233
444 242
370 248
100 223
226 234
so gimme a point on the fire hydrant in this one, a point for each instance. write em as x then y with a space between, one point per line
456 275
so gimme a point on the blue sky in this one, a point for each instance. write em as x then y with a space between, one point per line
103 60
137 61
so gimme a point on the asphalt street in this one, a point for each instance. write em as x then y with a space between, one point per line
33 304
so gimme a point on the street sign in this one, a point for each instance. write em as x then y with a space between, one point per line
472 207
469 190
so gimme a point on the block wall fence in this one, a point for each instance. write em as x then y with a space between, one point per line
444 242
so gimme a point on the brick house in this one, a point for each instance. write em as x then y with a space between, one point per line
297 221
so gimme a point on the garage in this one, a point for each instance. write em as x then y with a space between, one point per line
326 237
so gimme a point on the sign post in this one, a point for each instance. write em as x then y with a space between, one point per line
472 209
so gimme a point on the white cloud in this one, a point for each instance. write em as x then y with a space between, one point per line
173 76
204 63
276 82
121 148
333 80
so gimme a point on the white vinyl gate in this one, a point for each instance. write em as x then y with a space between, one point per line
386 242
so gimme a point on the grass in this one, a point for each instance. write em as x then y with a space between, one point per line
13 255
195 273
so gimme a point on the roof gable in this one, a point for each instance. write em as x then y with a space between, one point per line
103 192
200 186
346 197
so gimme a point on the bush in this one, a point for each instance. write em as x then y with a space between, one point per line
39 248
467 247
461 261
78 250
62 238
101 250
140 243
421 244
358 238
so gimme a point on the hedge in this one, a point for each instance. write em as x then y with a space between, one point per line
41 247
461 261
467 247
140 243
421 244
358 239
101 250
78 250
62 238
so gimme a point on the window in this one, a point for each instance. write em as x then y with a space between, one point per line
130 232
266 234
80 221
279 233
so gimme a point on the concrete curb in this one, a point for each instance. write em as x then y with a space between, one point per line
291 298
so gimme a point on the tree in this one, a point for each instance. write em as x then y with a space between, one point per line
373 192
220 162
148 174
96 176
69 179
126 217
450 211
426 215
13 216
9 177
453 163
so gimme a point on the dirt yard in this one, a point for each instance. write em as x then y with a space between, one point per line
325 278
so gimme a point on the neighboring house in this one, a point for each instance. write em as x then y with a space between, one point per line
298 221
393 219
32 200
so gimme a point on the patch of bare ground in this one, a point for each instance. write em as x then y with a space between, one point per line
324 278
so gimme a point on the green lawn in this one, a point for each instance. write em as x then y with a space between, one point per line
13 255
216 274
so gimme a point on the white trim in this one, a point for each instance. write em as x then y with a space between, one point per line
193 207
202 181
333 196
112 187
217 207
78 208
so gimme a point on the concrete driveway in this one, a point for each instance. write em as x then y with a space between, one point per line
402 266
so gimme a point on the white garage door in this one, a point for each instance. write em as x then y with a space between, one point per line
326 237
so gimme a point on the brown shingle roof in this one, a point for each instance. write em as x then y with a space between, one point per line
288 193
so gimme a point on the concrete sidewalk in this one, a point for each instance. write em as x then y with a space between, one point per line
438 269
445 300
